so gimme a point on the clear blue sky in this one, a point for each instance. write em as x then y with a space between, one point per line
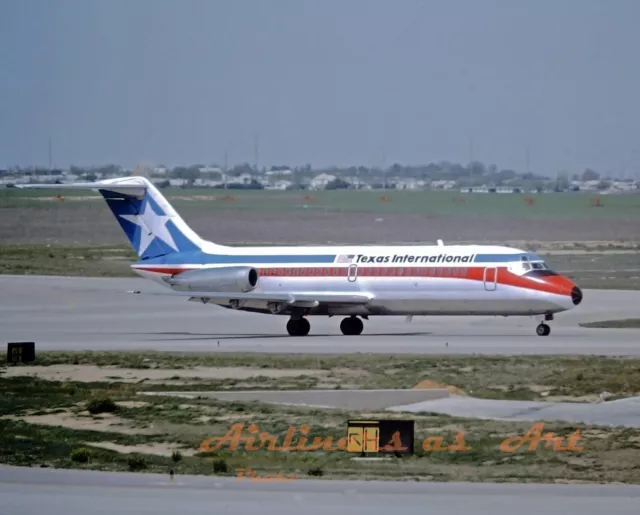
322 82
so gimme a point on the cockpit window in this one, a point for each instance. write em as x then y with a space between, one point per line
530 262
528 265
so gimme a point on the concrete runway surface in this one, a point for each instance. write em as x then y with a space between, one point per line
618 413
622 412
68 492
61 313
354 400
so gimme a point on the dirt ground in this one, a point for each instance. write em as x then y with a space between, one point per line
159 449
92 373
104 422
92 223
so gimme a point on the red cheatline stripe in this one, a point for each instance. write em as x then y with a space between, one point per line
550 284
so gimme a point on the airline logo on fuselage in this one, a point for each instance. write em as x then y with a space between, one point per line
412 258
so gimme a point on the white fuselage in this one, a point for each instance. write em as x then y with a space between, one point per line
402 280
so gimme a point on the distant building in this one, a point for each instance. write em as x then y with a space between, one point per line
443 185
319 182
491 189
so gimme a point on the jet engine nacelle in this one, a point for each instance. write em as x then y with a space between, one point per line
236 279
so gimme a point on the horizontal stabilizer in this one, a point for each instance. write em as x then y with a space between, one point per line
126 183
289 298
154 229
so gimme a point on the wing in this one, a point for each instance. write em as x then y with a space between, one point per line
288 298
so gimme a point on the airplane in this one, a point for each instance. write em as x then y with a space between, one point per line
351 281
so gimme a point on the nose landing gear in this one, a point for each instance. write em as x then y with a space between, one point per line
543 330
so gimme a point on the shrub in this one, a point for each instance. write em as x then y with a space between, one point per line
81 455
220 466
176 456
101 405
136 462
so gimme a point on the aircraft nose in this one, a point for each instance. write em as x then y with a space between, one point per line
563 286
576 295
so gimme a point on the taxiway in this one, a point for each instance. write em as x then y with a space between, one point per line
26 491
73 313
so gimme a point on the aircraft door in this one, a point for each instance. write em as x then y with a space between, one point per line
490 278
352 273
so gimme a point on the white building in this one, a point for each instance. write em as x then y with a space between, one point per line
319 182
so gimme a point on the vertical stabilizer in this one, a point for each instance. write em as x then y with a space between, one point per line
150 223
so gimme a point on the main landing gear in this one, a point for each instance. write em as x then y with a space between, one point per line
351 326
300 326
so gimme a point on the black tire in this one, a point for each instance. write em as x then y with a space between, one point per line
304 326
351 326
543 330
356 326
299 327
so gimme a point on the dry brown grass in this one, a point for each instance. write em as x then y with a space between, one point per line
92 223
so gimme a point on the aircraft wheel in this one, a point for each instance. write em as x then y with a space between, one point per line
304 327
543 330
351 326
300 327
